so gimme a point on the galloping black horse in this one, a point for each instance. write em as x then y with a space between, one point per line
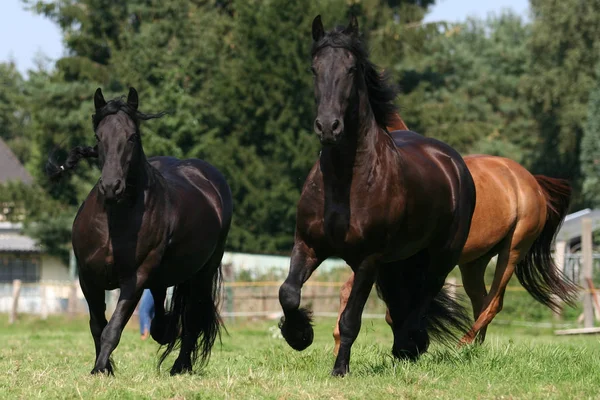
149 223
396 209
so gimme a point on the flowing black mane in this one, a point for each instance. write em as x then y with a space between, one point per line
55 170
381 93
118 104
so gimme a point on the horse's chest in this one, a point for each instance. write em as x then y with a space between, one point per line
336 224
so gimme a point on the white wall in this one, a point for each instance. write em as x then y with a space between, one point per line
53 269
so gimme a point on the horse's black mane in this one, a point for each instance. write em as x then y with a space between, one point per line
381 93
55 171
116 105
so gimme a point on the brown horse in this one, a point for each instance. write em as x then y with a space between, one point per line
516 217
149 223
396 209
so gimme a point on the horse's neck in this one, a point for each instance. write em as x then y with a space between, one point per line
352 162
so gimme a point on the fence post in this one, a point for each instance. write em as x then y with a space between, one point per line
12 317
559 259
72 303
586 247
44 301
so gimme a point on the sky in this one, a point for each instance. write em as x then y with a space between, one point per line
26 36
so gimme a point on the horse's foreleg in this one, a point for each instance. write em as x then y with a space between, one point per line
94 295
351 317
296 325
344 294
131 292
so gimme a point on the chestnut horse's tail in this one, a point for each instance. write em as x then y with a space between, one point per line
537 272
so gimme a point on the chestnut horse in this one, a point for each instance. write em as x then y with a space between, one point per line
396 209
149 223
516 217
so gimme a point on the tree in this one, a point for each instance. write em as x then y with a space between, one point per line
14 117
563 54
464 87
590 149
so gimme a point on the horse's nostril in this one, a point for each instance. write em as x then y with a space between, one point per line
118 186
319 126
335 124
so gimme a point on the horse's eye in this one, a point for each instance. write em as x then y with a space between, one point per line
313 71
351 70
97 138
133 137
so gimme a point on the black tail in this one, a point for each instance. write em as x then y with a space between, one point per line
447 319
537 272
202 295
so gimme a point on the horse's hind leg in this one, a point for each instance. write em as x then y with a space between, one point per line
200 319
159 324
508 257
473 275
399 284
94 295
344 294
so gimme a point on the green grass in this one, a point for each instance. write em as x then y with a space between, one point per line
52 359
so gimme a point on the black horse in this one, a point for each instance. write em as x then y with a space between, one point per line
396 208
149 223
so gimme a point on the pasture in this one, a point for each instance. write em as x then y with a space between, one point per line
53 358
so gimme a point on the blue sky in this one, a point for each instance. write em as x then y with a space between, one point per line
26 35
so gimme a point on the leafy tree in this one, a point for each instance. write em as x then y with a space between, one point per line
464 88
13 113
590 149
563 53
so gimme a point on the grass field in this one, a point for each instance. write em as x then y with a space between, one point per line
52 359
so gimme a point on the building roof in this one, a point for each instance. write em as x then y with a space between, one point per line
571 227
11 239
18 243
11 168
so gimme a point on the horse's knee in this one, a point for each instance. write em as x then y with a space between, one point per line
289 296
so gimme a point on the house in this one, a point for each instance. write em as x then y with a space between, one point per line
20 256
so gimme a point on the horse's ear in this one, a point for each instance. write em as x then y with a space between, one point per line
317 29
132 98
99 101
352 28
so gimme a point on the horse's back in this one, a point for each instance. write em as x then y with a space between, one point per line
432 158
508 198
433 170
197 176
409 142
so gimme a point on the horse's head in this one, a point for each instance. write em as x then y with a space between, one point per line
349 89
116 125
337 76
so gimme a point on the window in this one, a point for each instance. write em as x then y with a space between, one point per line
19 266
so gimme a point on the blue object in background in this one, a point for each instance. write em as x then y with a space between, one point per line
146 311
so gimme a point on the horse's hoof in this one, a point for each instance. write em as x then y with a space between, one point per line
340 371
297 330
410 353
466 340
181 368
104 371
